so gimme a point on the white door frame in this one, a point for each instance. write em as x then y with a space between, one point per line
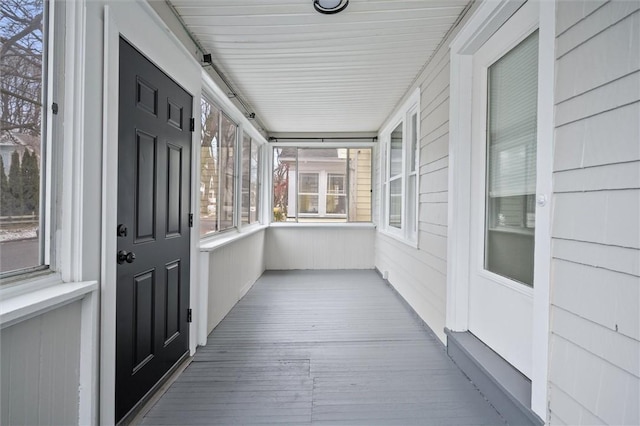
140 25
487 18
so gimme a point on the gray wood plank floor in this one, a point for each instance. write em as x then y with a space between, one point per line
325 347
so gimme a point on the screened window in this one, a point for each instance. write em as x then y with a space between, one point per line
229 131
250 161
209 168
412 176
395 178
322 184
399 170
246 177
217 167
254 187
23 82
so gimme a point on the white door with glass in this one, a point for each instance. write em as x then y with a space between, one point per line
503 201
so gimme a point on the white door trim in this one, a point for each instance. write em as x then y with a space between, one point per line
490 16
544 185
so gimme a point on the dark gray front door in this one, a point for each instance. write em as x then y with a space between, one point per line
154 161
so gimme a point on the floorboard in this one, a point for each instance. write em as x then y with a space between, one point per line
322 347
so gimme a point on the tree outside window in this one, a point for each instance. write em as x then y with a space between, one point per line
21 98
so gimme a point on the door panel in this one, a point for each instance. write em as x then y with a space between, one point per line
154 154
145 186
172 323
143 294
174 183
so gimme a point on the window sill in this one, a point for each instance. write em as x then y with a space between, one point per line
40 296
341 225
410 243
217 241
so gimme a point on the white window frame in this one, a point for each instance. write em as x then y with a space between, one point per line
317 194
410 202
60 280
237 177
50 129
326 193
486 19
253 147
214 95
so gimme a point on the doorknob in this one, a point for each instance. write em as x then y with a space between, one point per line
123 256
541 200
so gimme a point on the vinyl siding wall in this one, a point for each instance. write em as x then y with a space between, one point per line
419 275
595 294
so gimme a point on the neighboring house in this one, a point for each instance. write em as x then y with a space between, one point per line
503 187
319 180
12 141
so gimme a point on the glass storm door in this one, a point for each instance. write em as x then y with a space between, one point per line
503 204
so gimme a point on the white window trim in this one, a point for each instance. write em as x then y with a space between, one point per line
402 115
487 18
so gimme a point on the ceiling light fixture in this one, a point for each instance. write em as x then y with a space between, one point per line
329 7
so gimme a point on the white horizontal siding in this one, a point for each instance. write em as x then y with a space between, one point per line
572 12
612 258
302 247
618 48
420 275
233 269
40 362
594 370
605 217
579 143
600 19
598 178
608 298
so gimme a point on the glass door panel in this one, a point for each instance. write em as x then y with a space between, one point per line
511 162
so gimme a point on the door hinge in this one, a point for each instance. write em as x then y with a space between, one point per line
189 315
190 220
54 108
192 124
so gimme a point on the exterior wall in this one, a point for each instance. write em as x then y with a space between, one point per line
40 363
419 275
361 185
304 246
595 320
232 270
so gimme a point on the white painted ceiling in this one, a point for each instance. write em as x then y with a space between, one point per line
302 71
